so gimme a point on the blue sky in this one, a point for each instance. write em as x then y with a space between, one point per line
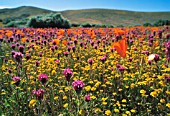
59 5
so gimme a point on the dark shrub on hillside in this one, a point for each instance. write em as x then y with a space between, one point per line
147 24
86 25
75 25
0 20
6 20
49 20
18 23
161 23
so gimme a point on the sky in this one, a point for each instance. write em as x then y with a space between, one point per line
60 5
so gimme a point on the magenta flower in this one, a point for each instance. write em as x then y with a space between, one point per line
66 53
21 48
120 68
103 59
43 78
39 93
78 86
156 58
90 61
87 98
17 55
67 73
16 80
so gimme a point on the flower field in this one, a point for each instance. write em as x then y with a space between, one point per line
85 71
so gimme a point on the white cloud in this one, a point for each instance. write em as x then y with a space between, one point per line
2 7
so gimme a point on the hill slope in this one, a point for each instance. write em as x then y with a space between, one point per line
115 17
94 16
23 11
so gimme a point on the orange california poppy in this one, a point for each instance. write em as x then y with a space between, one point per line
64 42
57 41
23 40
121 47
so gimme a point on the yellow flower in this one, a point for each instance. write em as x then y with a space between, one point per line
98 110
3 93
142 91
124 100
168 105
81 112
65 97
128 112
61 91
104 103
93 89
133 111
104 99
116 110
108 112
66 89
65 105
162 100
124 114
56 98
154 94
93 97
53 72
32 103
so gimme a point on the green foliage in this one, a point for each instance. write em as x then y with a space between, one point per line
75 25
18 23
49 20
161 23
147 24
86 25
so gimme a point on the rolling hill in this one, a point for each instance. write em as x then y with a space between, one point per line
94 16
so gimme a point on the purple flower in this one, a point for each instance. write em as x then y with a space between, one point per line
39 93
67 73
43 78
16 80
37 63
130 59
156 58
17 55
90 61
28 56
66 54
120 68
103 59
13 46
87 98
74 48
167 36
78 85
21 48
69 48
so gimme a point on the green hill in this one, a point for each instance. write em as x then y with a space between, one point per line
94 16
23 11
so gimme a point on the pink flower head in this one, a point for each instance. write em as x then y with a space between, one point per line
39 93
78 85
120 68
87 98
43 78
17 55
67 73
90 61
16 80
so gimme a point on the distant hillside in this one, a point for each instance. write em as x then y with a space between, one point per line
23 11
94 16
115 17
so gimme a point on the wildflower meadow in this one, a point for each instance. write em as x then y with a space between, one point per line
85 71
